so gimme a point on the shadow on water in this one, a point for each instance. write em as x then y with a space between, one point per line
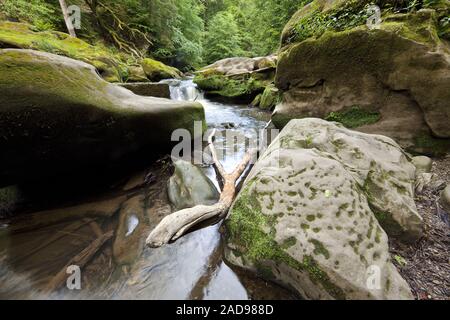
62 226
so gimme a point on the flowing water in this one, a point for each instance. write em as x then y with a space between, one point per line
36 246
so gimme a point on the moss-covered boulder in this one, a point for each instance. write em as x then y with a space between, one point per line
189 187
22 36
157 71
312 211
237 79
57 114
392 80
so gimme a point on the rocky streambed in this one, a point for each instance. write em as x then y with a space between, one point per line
60 224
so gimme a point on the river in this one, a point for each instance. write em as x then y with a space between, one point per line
36 246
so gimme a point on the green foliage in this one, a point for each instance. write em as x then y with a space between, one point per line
354 117
222 39
38 12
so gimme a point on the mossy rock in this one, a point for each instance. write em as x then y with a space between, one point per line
57 114
243 88
303 219
270 98
392 80
22 36
157 71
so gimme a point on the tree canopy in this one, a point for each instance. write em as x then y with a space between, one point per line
184 33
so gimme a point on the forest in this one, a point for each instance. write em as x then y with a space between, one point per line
185 33
225 149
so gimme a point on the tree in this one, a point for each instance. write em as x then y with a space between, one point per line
222 38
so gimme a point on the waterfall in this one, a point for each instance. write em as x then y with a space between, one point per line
184 90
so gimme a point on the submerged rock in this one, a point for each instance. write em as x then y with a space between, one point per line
57 114
128 241
392 80
189 187
312 211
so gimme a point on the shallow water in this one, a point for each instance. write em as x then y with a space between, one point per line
36 246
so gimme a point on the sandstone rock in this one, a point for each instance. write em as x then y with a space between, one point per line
159 90
423 164
397 76
308 213
238 79
189 187
136 74
57 114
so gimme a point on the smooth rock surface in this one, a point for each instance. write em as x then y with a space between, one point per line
189 187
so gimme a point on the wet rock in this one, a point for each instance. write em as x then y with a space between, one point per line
189 187
311 212
58 115
159 90
423 164
128 241
445 198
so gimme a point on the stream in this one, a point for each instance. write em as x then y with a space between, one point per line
35 246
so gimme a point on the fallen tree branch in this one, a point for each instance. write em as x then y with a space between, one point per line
178 223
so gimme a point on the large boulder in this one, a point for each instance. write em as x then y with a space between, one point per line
313 211
392 80
57 114
189 187
238 79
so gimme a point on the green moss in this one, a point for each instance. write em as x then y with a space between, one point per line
19 35
289 242
245 86
270 98
354 117
156 70
247 229
314 21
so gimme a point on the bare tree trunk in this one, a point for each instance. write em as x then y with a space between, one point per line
67 19
178 223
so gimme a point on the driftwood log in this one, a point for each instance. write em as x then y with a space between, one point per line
179 223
